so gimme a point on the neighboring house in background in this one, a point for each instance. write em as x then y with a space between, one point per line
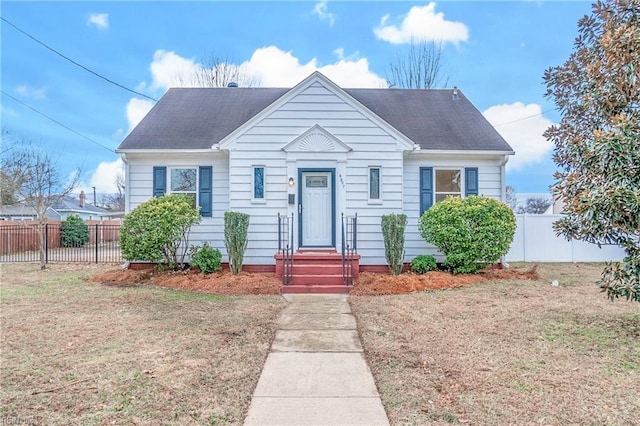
22 212
68 206
60 210
315 151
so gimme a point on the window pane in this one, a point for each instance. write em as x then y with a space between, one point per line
258 182
374 184
316 182
447 180
183 180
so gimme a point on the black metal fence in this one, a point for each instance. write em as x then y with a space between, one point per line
21 243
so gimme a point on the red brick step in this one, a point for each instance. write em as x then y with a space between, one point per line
316 272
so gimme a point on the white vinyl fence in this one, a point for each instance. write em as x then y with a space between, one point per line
536 241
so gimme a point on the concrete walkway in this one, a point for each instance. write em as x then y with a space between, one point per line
316 373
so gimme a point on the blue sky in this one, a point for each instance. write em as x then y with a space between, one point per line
495 52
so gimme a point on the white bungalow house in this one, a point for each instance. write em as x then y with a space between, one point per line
314 153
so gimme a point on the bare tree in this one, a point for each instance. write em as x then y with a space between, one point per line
510 197
535 206
216 71
115 202
12 164
420 67
41 184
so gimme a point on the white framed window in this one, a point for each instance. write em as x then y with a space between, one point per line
375 184
184 180
448 182
258 184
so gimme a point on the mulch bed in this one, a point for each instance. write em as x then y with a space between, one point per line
267 283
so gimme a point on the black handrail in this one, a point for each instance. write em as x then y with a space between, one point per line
349 247
285 247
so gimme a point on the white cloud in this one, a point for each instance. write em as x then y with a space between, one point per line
31 92
273 67
169 69
268 66
103 178
422 24
136 110
522 127
321 10
99 20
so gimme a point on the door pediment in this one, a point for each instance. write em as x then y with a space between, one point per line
316 139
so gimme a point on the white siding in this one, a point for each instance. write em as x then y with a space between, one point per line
489 185
356 142
263 144
140 189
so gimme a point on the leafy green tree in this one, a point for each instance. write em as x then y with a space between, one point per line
157 230
597 91
74 232
471 232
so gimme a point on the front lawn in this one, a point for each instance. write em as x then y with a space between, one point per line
506 352
75 352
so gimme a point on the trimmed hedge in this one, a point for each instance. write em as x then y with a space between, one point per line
472 232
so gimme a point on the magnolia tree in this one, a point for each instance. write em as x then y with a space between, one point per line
597 91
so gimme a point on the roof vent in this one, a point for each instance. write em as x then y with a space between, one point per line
232 84
454 95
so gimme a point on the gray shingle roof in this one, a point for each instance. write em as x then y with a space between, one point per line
70 204
197 118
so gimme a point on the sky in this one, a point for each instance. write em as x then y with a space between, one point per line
494 52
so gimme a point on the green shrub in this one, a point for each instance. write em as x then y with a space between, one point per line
393 233
207 258
472 232
73 232
236 225
157 230
423 263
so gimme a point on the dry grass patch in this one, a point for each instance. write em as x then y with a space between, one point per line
506 352
76 352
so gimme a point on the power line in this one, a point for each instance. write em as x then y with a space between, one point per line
76 63
93 141
525 118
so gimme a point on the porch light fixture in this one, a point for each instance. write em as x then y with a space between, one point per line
291 181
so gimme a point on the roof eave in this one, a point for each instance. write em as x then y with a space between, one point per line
426 151
166 151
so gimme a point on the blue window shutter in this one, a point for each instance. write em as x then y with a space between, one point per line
159 181
204 191
470 181
426 188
